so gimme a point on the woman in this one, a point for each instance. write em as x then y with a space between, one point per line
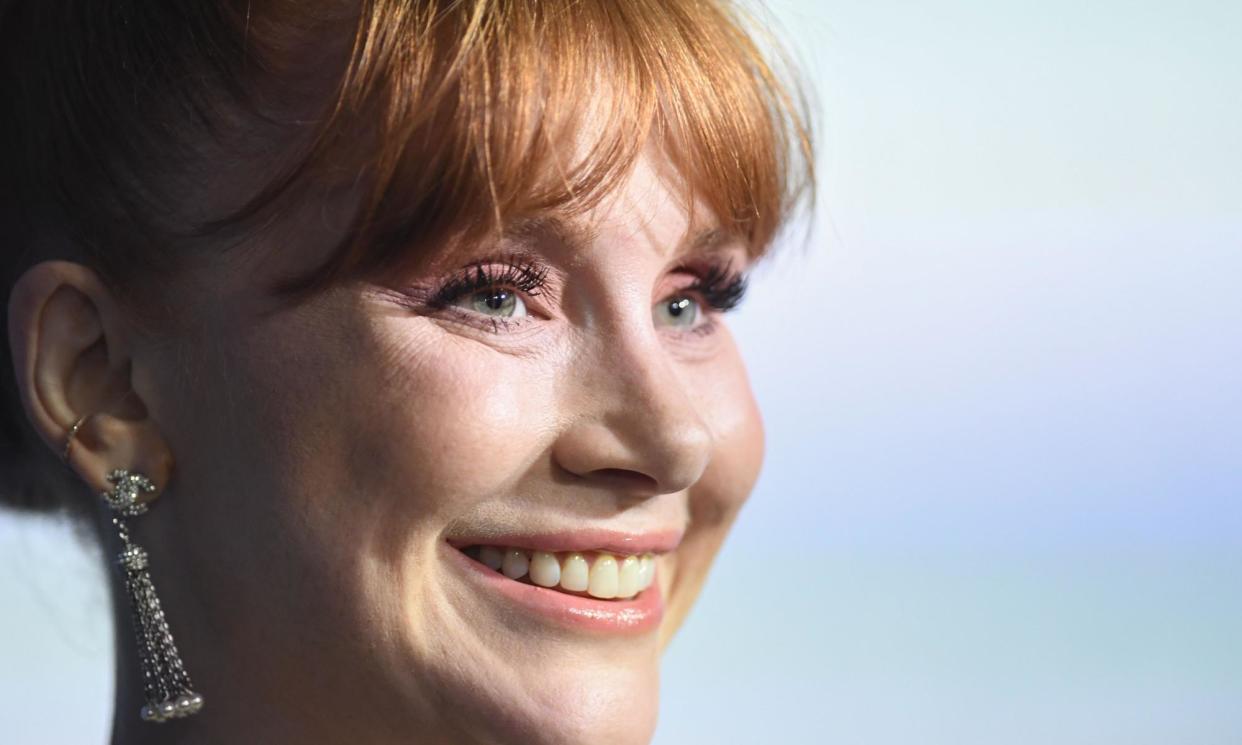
390 336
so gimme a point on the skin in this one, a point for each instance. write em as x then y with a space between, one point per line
311 462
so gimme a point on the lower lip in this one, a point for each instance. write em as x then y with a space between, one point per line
638 615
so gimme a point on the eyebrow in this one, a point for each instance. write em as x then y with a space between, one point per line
570 234
576 235
708 240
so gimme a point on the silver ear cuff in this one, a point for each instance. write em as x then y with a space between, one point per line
169 692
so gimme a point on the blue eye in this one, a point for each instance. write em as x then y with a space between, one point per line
680 312
489 292
495 303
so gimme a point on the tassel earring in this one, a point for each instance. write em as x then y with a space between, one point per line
166 684
169 692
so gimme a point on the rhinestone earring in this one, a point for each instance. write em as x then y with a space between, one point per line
169 692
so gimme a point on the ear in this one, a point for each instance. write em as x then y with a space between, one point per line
71 354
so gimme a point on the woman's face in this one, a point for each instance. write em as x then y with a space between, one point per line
340 464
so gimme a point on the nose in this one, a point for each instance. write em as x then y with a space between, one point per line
634 425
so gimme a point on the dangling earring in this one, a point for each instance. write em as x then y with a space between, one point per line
167 686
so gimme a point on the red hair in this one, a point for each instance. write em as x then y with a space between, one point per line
454 117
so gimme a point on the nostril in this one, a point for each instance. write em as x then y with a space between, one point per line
627 481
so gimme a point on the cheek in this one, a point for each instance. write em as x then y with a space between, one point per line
345 449
729 407
451 425
733 415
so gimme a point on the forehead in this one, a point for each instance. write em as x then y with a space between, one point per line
650 205
648 213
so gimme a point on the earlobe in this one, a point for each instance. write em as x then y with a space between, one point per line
72 360
115 442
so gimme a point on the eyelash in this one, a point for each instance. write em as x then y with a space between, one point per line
718 284
721 287
521 275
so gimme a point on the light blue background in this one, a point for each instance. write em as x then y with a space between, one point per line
1002 501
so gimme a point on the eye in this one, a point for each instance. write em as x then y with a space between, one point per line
489 295
718 288
681 312
496 302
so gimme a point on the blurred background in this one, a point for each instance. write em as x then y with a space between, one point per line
1002 383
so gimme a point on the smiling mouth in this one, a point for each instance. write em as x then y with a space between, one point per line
595 574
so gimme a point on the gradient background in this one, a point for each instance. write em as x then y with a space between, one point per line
1002 381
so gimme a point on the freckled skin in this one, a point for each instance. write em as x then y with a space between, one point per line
324 452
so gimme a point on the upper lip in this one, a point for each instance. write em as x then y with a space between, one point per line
586 539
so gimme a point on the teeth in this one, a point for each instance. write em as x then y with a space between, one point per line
603 577
575 575
627 577
646 571
492 557
545 570
515 564
606 577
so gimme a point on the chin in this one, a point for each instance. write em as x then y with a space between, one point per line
514 661
577 703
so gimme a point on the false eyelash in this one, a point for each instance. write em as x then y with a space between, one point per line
720 286
521 275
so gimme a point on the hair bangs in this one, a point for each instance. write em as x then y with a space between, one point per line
485 113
